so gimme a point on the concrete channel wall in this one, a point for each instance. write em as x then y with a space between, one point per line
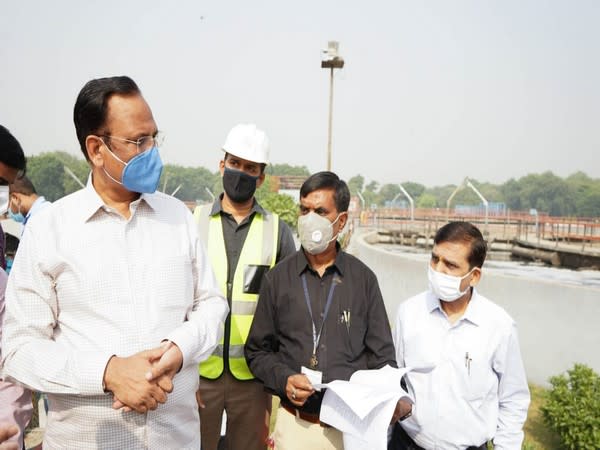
558 324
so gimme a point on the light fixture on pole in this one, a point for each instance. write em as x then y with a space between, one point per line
331 60
466 182
410 200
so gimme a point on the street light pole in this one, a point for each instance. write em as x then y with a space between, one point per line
330 120
332 60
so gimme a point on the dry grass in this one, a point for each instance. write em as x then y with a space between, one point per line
537 435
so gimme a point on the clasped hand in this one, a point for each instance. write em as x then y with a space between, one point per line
141 382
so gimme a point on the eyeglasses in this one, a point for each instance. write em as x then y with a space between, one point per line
144 143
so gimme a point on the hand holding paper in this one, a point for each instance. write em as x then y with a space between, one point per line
298 389
362 407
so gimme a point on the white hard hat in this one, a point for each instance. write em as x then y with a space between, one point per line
248 142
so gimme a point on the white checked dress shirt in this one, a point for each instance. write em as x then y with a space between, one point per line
88 284
15 402
478 388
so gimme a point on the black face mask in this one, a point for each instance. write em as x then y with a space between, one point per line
239 186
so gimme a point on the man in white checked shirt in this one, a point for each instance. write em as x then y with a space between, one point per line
112 302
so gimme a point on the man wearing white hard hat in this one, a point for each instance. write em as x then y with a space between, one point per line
244 241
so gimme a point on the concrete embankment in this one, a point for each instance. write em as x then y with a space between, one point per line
558 323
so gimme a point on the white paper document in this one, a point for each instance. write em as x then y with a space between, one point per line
314 376
363 407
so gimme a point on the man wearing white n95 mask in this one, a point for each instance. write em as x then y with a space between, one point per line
477 391
320 317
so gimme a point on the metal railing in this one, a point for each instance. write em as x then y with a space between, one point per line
510 225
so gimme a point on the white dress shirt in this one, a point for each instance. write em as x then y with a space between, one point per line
477 389
88 284
39 204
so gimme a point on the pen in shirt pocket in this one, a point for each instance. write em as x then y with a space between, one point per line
468 360
345 318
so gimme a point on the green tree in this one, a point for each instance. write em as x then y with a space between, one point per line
465 196
426 200
586 192
575 195
588 205
414 189
76 164
286 169
217 186
372 186
191 181
370 194
441 194
281 204
47 174
491 192
551 194
356 183
388 192
547 192
265 188
511 192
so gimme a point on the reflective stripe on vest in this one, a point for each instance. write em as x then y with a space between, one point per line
260 249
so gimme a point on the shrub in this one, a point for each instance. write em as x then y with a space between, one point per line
281 204
572 408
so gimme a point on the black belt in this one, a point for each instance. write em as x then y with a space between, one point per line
402 441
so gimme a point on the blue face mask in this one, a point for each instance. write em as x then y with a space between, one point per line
142 172
17 217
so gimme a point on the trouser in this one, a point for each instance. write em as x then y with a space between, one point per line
248 409
402 441
294 433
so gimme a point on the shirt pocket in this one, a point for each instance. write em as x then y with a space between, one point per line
478 377
253 276
350 327
356 339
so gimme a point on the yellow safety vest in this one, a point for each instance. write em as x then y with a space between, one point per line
258 255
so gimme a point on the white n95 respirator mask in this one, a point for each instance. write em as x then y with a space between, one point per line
446 287
316 232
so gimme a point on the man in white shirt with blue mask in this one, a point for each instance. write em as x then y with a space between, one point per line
112 302
476 390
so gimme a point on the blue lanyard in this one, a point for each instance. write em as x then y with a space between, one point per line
317 337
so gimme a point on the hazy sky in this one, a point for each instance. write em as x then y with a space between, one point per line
432 91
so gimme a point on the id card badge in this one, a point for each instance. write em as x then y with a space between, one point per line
314 376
